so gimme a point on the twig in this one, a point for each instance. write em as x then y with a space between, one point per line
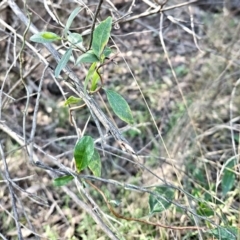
192 26
161 4
157 10
3 237
12 195
131 6
45 3
10 214
3 84
94 22
21 60
173 20
90 211
149 3
34 121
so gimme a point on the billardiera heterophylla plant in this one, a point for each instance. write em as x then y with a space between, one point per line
85 154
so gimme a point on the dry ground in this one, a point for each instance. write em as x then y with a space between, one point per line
184 95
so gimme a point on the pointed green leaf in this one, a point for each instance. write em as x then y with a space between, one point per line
72 100
91 70
225 233
204 209
101 36
228 179
50 36
158 204
95 164
61 181
83 152
73 14
119 106
107 51
63 62
88 57
76 40
45 37
95 80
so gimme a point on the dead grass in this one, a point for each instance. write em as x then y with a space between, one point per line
197 116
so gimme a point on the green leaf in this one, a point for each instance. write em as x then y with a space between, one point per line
90 73
107 51
157 204
72 100
224 233
45 37
83 152
75 39
95 164
95 79
61 181
101 36
71 17
228 177
88 57
205 210
63 62
119 106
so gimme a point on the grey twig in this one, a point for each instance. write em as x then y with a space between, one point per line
158 9
3 237
91 212
34 121
12 195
